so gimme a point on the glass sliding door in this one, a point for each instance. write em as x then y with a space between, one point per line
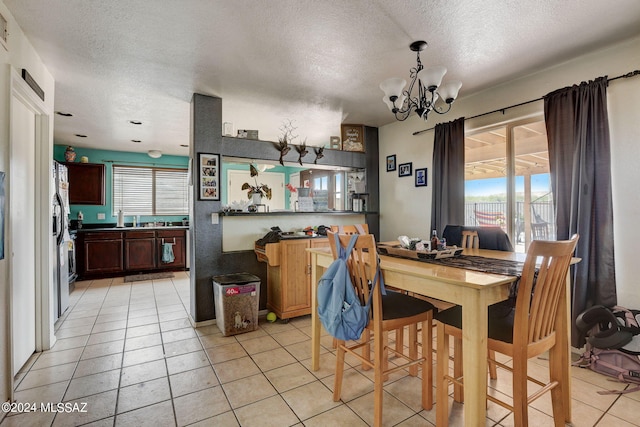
507 181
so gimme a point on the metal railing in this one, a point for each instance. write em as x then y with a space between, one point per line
480 214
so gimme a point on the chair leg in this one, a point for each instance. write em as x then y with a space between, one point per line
458 391
493 369
442 384
555 374
520 406
366 349
427 365
413 348
385 354
337 384
399 340
378 357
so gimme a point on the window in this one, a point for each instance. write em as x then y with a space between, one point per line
507 182
150 191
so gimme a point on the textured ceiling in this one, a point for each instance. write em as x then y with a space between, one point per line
316 62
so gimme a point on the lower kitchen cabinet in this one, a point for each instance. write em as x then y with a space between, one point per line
177 240
289 275
140 250
101 253
110 253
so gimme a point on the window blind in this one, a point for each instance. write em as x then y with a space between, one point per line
150 191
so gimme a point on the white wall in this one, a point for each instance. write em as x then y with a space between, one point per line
406 210
20 55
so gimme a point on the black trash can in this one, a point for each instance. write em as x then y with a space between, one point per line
236 300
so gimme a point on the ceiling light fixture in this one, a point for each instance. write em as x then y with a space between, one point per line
402 103
155 154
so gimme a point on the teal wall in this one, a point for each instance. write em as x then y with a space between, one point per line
108 158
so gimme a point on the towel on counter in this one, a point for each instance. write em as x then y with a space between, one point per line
167 253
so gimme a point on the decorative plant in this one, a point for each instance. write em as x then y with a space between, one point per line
261 189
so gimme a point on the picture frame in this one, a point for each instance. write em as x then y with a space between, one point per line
352 137
208 176
421 177
335 143
391 163
405 169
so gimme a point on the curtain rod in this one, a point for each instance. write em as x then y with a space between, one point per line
502 110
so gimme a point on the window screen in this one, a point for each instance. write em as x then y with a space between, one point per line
150 191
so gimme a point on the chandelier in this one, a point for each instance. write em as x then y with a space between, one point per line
402 103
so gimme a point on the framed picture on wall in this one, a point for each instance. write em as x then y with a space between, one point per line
352 137
405 169
391 163
421 177
208 176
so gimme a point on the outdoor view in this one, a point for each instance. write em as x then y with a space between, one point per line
523 210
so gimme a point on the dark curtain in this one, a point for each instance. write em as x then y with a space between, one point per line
580 164
448 175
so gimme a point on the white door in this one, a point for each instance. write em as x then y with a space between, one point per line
275 181
23 223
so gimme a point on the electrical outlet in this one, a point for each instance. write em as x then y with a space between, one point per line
101 216
214 218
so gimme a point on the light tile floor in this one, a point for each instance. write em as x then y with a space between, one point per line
128 351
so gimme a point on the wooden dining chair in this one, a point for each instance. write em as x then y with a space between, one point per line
388 312
364 229
470 240
526 332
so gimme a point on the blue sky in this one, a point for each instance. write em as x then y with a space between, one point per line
487 187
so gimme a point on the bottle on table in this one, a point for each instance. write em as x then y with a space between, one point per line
434 240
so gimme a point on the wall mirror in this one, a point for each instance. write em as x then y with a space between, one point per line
306 188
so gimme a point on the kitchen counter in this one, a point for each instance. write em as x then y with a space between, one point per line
110 228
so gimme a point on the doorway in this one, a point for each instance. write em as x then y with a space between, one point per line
29 225
507 181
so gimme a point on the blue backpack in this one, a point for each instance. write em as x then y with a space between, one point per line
339 308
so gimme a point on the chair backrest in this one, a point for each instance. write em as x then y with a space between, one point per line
470 240
536 311
540 231
360 269
351 229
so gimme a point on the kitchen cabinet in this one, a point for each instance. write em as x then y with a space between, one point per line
177 240
86 183
140 250
289 275
110 253
101 253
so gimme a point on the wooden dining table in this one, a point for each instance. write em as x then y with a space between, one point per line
475 291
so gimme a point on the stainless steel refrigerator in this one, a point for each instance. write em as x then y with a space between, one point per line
61 238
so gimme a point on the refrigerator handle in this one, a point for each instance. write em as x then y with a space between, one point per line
60 221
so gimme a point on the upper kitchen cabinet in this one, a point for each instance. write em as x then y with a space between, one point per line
86 183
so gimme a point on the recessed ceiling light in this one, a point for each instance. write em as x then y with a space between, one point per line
184 145
137 141
61 113
80 135
135 122
156 154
